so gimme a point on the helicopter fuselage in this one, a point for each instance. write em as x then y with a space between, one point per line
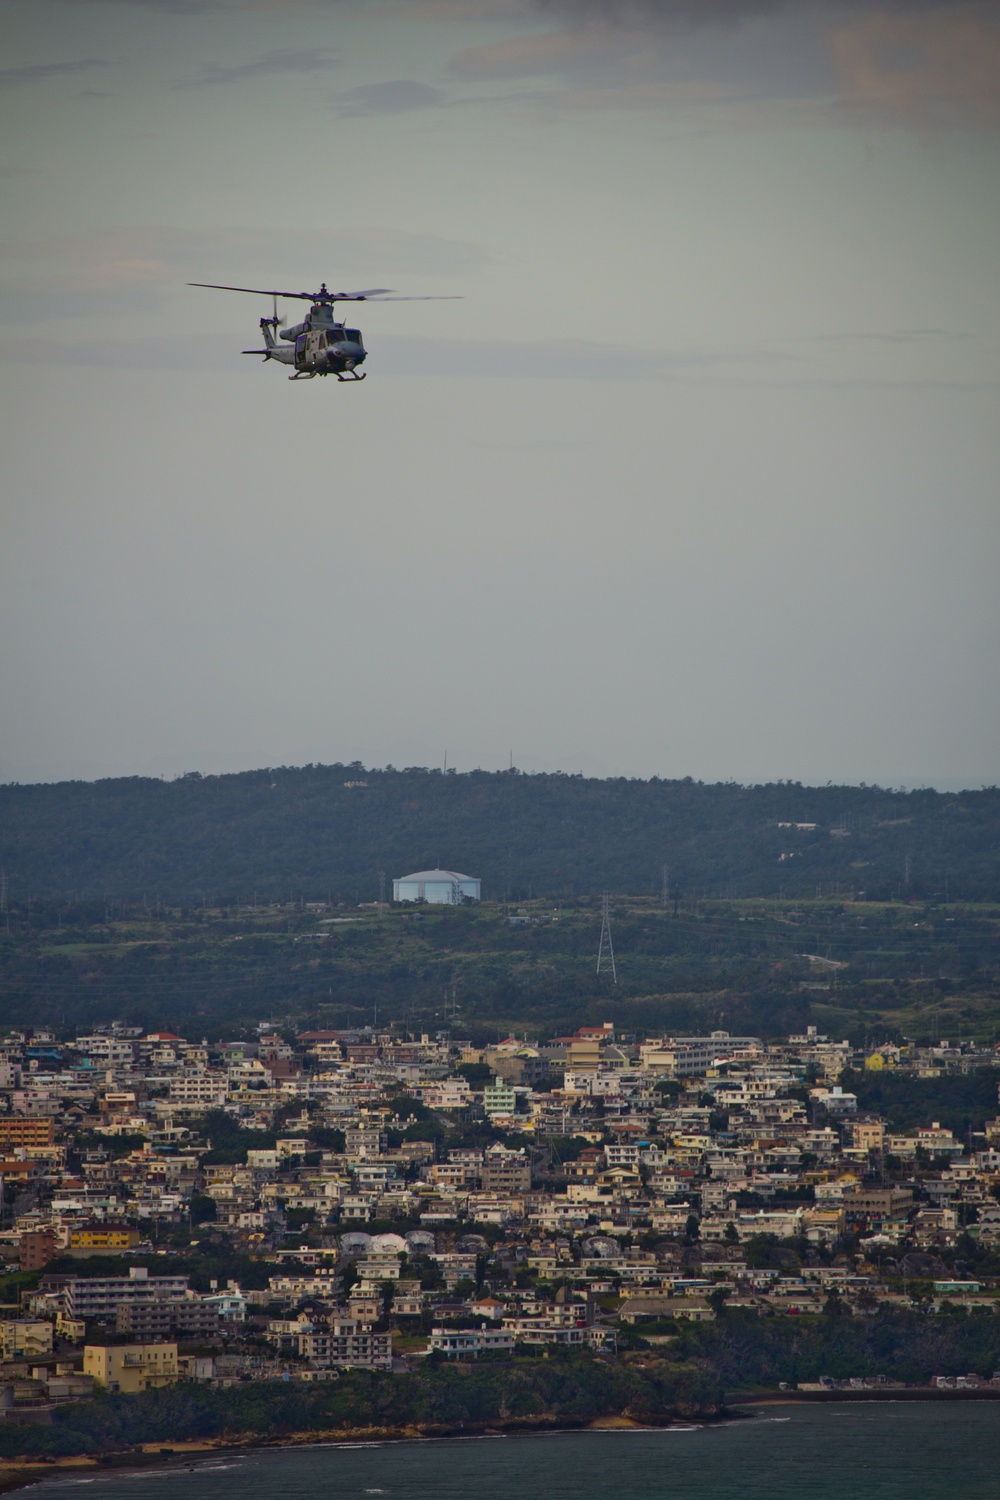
317 346
328 351
322 346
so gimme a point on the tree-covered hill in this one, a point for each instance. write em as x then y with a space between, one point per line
326 831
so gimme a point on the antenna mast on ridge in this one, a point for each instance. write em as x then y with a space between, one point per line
606 952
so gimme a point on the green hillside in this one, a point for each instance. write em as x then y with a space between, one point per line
315 833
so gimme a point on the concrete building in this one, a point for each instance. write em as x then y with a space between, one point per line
131 1367
100 1296
38 1247
506 1171
439 887
26 1132
470 1343
105 1239
190 1318
25 1338
499 1098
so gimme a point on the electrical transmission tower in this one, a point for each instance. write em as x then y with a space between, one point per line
606 951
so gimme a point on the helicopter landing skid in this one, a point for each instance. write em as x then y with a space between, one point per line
304 375
350 379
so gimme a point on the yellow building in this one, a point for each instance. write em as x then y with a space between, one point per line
131 1367
72 1329
868 1135
583 1055
822 1224
27 1131
25 1338
103 1237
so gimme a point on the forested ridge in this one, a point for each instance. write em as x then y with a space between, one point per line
326 832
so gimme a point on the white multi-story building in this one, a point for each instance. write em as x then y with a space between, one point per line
204 1090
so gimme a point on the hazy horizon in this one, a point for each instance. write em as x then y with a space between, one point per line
580 766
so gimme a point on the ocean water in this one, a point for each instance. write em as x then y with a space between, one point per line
826 1452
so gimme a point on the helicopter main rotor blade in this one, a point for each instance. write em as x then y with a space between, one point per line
254 291
323 296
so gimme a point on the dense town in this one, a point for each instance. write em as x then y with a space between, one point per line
385 1199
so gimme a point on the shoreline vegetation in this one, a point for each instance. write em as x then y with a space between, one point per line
712 1370
436 1400
435 1397
18 1473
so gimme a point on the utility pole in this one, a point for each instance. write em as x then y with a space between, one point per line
381 891
606 952
665 887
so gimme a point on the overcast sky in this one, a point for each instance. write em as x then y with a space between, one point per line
700 477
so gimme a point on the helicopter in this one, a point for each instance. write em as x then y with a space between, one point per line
319 345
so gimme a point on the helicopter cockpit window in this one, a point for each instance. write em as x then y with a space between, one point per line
354 334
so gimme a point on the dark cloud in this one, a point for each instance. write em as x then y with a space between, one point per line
308 60
399 96
40 72
213 7
942 67
929 61
186 7
642 12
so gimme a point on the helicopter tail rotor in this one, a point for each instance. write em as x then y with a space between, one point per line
267 328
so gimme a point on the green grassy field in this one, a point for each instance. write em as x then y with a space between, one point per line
860 969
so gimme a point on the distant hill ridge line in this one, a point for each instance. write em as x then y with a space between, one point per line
320 831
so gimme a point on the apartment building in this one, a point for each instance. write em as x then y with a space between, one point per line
27 1132
189 1318
100 1296
25 1338
131 1368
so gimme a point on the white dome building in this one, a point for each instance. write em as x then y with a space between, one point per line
445 887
